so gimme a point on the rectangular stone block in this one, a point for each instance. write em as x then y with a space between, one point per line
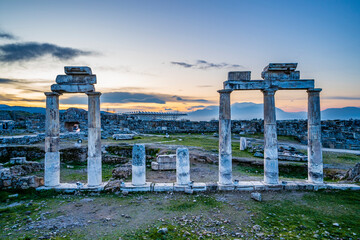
199 187
290 186
226 187
244 186
75 70
129 187
241 75
163 187
164 162
273 187
258 186
281 67
76 79
66 88
278 75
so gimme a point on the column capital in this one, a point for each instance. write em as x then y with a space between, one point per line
269 91
314 90
225 91
52 94
93 93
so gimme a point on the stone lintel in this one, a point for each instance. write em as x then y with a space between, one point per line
302 84
77 70
66 88
76 79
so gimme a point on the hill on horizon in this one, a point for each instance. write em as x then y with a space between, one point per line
249 110
239 111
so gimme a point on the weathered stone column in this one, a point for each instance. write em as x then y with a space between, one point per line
182 166
52 137
94 139
271 168
315 161
225 158
243 143
138 165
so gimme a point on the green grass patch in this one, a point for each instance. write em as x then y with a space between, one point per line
191 203
79 173
313 216
288 171
340 158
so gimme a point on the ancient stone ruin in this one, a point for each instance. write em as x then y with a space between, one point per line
277 76
76 80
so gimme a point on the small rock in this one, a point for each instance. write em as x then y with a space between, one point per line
256 196
163 230
13 195
336 224
256 228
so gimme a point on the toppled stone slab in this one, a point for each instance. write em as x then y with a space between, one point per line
17 160
353 174
280 71
281 67
77 70
67 88
76 79
256 196
164 162
123 136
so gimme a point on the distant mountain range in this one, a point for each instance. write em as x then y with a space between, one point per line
20 108
239 111
249 110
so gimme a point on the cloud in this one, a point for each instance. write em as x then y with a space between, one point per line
187 99
130 97
183 64
6 81
14 98
7 35
195 107
342 98
20 52
204 86
202 64
27 85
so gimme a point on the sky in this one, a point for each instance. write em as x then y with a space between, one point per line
174 55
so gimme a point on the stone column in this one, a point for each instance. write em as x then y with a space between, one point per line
94 140
138 165
182 166
243 143
225 158
315 161
52 137
271 168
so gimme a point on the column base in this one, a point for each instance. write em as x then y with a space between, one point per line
227 187
163 187
72 187
129 187
244 186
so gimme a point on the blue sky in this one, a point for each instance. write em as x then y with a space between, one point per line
132 47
